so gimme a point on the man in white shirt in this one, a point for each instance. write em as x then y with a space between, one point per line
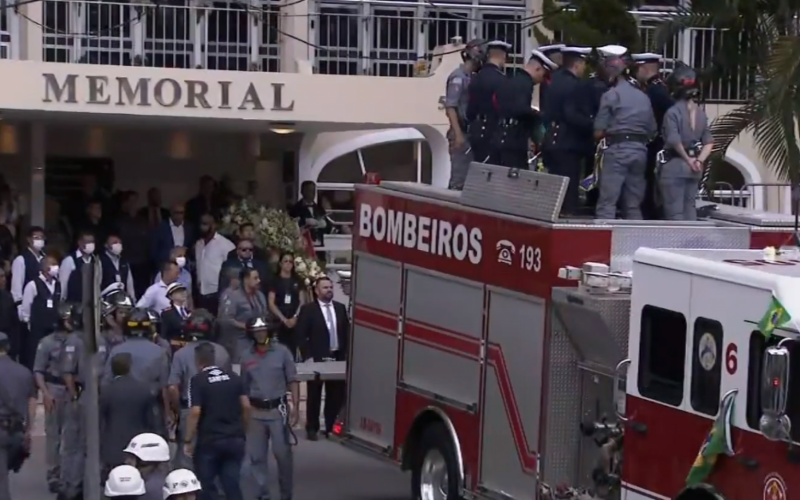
71 281
211 251
155 297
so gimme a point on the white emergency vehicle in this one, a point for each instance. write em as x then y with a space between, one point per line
477 363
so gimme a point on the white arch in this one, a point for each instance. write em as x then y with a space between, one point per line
436 140
751 175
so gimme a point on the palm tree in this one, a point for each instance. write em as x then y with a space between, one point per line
762 40
591 23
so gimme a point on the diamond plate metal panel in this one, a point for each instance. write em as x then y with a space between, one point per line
425 190
530 194
625 240
752 217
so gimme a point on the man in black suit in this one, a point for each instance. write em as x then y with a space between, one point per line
310 215
323 330
171 233
126 410
244 256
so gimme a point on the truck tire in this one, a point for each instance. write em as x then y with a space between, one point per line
434 474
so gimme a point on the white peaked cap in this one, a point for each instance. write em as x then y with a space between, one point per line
556 47
647 57
543 59
499 44
577 51
612 50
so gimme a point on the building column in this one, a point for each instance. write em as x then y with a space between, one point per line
294 21
38 156
28 39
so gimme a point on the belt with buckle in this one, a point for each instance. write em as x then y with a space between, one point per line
267 404
612 139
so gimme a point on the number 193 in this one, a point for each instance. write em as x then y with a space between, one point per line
530 258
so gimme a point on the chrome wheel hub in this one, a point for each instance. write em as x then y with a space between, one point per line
433 477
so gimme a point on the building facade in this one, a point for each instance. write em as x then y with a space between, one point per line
274 91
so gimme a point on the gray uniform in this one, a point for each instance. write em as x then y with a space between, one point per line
149 364
228 333
73 443
182 370
19 387
457 97
624 109
48 363
267 377
239 307
154 484
677 181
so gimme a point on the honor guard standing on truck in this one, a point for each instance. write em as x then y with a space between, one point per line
569 127
648 74
269 373
518 118
687 145
198 329
48 369
456 99
483 115
625 122
149 362
74 371
17 414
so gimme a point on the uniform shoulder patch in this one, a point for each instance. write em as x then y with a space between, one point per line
70 348
102 348
457 80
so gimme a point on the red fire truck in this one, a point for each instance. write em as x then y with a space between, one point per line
478 367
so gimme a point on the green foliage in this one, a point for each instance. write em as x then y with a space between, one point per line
591 23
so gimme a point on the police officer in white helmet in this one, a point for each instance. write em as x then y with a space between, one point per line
124 483
181 484
149 453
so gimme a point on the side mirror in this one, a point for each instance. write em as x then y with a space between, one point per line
774 423
619 390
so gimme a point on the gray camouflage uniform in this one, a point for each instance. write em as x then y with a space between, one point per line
677 181
73 444
624 109
183 369
457 97
267 377
48 363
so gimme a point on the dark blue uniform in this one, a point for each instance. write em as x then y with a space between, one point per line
661 101
569 135
483 113
518 122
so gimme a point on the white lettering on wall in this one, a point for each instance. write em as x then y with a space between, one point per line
434 236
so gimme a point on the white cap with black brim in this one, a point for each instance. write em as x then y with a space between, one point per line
581 52
545 61
499 45
647 58
551 49
612 50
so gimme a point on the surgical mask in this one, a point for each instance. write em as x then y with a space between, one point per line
53 271
38 243
116 248
181 261
88 248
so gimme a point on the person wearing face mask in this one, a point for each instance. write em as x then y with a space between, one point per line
39 308
25 267
116 268
70 275
174 317
178 256
155 297
211 251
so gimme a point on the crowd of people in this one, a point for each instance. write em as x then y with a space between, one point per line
630 143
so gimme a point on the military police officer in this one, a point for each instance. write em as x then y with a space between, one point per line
116 306
74 372
48 369
149 362
647 72
455 107
483 114
155 321
199 327
17 414
626 123
269 373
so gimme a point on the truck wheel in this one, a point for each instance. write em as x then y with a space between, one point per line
434 475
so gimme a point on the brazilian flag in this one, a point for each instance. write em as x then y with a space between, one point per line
718 442
775 317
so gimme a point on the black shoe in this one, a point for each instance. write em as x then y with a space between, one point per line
311 435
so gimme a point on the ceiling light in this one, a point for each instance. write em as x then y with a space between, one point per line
282 130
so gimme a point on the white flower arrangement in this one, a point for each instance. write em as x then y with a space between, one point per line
275 231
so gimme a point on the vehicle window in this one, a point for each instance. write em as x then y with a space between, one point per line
662 353
706 365
758 344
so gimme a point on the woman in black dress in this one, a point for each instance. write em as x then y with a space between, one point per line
284 299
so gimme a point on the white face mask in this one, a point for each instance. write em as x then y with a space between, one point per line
116 248
54 271
88 248
181 261
38 243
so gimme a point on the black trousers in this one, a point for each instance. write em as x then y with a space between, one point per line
287 337
220 459
335 393
568 164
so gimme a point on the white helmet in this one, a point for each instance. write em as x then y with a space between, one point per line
180 481
124 481
149 447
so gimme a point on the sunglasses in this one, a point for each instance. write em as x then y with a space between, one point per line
246 249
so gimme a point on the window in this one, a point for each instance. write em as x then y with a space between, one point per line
707 365
662 353
759 344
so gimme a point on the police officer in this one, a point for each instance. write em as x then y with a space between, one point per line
48 369
626 123
648 74
553 53
246 303
483 114
39 307
570 126
228 331
155 322
688 144
518 118
198 328
269 373
74 372
17 414
456 99
116 306
149 362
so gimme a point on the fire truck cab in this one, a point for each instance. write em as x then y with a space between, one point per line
477 362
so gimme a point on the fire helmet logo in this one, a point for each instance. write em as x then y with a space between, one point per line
774 488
